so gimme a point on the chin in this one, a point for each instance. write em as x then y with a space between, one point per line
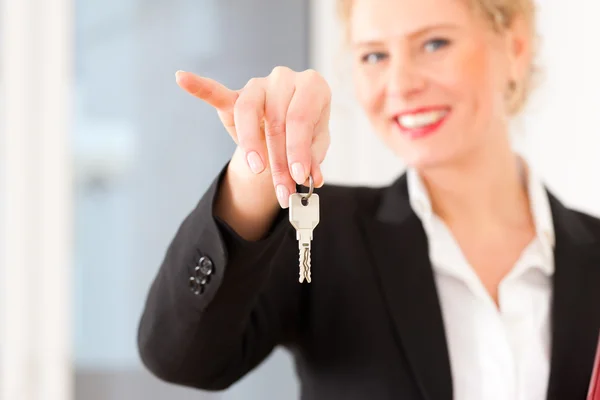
434 152
423 163
426 152
422 159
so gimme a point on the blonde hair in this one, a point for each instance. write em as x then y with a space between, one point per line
500 14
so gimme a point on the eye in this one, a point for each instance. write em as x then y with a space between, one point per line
373 58
436 44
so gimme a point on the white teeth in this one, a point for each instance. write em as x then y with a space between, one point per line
421 120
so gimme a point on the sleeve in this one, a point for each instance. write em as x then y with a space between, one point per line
219 304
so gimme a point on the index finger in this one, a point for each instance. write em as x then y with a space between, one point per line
209 90
306 109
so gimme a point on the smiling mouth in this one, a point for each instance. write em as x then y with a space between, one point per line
422 122
421 119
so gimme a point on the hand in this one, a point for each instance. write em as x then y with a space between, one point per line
280 123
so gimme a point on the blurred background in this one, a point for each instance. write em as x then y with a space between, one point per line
102 156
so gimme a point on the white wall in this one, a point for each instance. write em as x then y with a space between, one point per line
35 55
560 126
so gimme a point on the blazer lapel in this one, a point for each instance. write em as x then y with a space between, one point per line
576 305
398 246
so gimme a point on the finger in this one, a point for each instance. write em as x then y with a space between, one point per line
280 90
316 174
248 113
320 146
207 89
304 116
319 150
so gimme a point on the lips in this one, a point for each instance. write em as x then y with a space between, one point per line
422 122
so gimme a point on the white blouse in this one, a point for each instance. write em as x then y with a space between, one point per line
496 353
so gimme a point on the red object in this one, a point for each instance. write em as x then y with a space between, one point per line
417 133
594 391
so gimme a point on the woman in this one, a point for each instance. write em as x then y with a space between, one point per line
464 279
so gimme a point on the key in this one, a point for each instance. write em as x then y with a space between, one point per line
304 216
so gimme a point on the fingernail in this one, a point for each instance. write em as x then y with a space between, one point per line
255 163
283 195
178 73
298 173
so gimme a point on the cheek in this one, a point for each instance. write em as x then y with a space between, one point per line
477 76
365 96
368 93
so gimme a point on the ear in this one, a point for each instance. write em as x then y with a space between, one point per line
519 46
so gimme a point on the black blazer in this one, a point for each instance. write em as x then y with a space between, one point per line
369 326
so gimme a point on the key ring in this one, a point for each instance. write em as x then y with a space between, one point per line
310 190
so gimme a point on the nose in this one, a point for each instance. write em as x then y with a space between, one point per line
405 77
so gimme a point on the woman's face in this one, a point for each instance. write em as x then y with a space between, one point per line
432 76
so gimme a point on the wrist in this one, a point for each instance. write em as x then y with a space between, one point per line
246 201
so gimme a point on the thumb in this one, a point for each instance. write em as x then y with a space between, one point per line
207 89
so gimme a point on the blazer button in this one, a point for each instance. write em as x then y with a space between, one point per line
201 277
194 286
205 265
202 280
197 285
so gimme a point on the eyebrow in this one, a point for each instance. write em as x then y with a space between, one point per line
417 33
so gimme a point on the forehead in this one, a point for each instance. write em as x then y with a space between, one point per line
379 19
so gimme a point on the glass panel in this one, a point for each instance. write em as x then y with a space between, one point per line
144 153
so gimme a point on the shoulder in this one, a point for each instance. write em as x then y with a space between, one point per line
574 224
591 222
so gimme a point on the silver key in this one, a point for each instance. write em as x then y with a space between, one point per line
304 216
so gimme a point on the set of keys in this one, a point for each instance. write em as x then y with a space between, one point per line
304 216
